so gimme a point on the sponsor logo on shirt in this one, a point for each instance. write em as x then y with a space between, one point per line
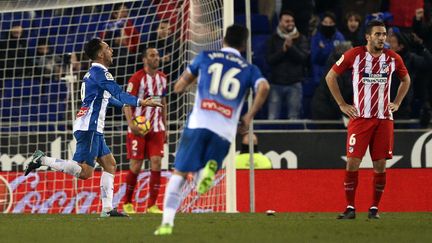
82 112
374 78
213 105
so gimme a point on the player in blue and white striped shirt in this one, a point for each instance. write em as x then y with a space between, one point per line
98 90
223 80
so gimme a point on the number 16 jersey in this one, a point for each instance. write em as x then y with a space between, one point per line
224 78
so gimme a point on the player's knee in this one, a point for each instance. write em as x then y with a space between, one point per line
156 163
135 168
110 168
85 174
353 164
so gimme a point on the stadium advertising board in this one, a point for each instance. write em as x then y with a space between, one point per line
290 150
326 150
323 152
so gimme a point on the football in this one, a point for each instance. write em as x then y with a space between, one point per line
142 123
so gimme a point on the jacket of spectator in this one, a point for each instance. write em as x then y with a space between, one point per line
417 65
323 105
322 44
287 67
321 47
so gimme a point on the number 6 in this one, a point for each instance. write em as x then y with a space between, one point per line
352 139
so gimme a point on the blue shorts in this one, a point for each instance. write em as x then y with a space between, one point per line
90 145
197 146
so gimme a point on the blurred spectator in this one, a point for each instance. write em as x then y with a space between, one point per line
13 47
267 7
124 39
163 40
351 29
417 65
403 12
302 13
362 7
47 66
120 30
242 159
422 27
287 54
322 44
323 106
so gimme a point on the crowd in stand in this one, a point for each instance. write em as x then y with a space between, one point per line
299 53
308 37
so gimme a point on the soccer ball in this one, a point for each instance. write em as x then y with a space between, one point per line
142 123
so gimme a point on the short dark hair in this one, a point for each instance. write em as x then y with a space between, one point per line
356 16
42 42
286 12
92 47
144 49
372 24
117 6
236 36
330 15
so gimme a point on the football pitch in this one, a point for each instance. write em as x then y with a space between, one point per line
218 227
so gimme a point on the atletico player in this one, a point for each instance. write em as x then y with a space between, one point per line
146 83
371 115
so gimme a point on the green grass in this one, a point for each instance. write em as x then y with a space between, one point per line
283 227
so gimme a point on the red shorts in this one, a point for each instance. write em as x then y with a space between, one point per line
373 132
144 147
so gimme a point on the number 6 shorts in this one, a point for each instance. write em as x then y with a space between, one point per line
373 132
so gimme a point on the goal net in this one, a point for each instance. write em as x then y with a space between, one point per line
41 67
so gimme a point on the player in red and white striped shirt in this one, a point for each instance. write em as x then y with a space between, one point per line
371 119
147 82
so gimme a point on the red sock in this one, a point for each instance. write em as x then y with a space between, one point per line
154 187
350 184
379 184
131 181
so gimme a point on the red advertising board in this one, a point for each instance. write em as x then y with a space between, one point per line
279 190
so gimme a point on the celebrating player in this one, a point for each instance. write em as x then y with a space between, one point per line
223 78
371 119
147 82
97 91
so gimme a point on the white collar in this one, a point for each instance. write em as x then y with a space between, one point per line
231 50
95 64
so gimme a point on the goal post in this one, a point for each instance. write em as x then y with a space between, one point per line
231 185
41 67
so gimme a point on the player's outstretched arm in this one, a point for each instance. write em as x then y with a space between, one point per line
150 102
331 80
185 80
260 97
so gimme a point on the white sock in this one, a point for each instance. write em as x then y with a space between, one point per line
107 191
67 166
172 199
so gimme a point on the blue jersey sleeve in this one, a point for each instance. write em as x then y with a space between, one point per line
256 77
194 66
106 81
114 102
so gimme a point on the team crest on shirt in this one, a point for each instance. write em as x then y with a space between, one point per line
129 87
351 149
385 68
109 76
340 60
